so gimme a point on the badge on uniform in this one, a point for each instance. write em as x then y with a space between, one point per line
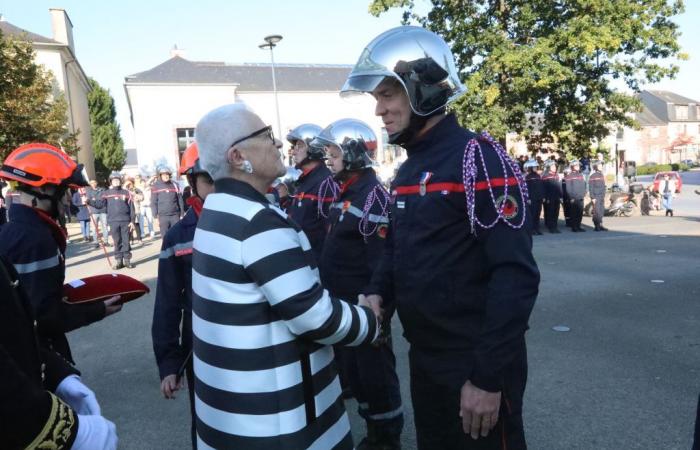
509 205
423 184
382 230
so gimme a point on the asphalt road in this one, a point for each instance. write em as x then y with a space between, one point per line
626 375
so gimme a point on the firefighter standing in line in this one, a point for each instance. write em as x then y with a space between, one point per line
535 190
458 257
597 188
35 244
120 218
305 209
166 201
172 313
552 196
357 225
575 193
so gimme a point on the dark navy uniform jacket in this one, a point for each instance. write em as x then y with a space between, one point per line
173 304
166 199
348 258
29 372
35 246
596 184
552 187
117 203
457 292
535 187
92 196
575 185
304 208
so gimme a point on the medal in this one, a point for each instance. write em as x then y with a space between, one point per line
424 180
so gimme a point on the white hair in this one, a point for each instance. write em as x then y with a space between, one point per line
217 130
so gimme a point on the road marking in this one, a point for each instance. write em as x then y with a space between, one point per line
657 281
661 251
561 328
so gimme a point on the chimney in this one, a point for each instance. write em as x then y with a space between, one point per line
177 52
62 27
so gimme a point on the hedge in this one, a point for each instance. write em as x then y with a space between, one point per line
653 169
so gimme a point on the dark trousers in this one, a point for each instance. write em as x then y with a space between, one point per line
371 374
166 223
436 381
189 375
575 213
535 212
598 211
551 213
120 238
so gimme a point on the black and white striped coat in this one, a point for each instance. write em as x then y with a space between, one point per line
263 326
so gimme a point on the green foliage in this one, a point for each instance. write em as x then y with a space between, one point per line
107 143
652 169
552 60
31 108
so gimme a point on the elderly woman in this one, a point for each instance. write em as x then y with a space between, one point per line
263 325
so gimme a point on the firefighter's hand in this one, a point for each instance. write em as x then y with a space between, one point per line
170 385
478 410
374 302
112 305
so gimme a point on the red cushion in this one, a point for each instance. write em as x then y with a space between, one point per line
99 288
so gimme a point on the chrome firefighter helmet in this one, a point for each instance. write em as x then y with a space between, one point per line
418 59
355 139
531 164
307 132
550 163
574 162
114 174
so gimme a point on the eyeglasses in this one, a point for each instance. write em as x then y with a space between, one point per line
267 130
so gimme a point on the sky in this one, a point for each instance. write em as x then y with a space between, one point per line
116 39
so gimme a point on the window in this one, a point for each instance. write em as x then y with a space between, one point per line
185 136
681 112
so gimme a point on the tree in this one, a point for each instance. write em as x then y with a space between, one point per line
31 107
107 143
552 61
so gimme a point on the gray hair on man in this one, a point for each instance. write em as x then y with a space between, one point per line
217 130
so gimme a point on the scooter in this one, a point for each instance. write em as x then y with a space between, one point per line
621 204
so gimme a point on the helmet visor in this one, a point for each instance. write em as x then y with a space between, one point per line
78 178
361 84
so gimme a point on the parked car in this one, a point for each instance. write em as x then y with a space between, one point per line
659 177
690 162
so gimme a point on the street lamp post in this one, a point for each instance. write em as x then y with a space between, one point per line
270 43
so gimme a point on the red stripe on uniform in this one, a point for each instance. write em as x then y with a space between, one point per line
454 187
302 196
183 252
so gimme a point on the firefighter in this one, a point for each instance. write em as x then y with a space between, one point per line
172 313
357 225
309 207
35 244
44 402
575 193
166 201
458 258
120 218
535 189
597 188
552 196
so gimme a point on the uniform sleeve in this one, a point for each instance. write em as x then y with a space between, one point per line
167 312
32 417
273 256
511 273
97 200
180 203
154 200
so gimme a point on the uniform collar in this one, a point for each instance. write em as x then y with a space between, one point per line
357 181
235 187
445 127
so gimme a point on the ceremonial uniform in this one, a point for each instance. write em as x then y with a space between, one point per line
304 208
167 205
552 200
596 185
32 416
36 246
464 281
120 213
535 188
575 192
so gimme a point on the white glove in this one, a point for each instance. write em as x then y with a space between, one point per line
95 433
78 396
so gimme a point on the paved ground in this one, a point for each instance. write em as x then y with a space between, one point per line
627 375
